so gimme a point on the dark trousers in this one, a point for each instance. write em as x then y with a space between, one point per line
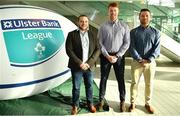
88 82
119 72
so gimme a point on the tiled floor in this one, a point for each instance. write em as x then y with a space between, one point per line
166 94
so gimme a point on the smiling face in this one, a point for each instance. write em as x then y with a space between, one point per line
145 18
113 13
83 23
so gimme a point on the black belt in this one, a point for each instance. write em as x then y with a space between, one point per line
112 53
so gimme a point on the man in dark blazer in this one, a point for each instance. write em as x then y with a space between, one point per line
83 50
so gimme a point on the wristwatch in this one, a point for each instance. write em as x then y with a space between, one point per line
117 56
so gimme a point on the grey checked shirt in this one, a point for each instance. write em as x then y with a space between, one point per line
114 37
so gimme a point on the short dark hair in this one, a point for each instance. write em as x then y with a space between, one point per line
113 4
82 16
145 9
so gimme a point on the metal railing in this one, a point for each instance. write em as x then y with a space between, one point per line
169 33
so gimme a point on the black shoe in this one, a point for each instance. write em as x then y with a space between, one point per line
100 105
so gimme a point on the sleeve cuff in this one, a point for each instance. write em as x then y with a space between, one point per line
138 59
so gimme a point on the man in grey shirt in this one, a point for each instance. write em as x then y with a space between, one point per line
114 39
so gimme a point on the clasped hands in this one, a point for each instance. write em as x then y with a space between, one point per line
112 59
144 62
84 66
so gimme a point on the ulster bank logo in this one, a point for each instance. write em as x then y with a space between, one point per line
7 24
31 42
29 23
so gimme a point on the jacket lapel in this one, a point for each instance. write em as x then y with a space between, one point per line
90 42
78 39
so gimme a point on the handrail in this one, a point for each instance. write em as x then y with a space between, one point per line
166 31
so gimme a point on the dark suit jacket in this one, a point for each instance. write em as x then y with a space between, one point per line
74 50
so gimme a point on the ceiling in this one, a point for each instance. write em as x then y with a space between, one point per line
97 10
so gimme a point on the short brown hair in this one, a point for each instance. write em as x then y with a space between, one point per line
143 10
113 4
82 16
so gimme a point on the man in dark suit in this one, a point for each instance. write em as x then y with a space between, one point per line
83 50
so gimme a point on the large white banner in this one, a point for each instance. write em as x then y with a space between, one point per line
32 50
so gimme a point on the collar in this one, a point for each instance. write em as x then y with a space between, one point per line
144 27
78 29
113 22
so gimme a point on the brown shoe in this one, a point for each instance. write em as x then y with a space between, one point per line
74 110
149 108
122 107
100 105
92 108
132 107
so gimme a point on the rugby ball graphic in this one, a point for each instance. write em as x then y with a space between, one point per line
32 50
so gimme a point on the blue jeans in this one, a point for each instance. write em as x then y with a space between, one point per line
77 76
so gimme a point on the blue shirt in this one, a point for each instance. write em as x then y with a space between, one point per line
114 37
145 43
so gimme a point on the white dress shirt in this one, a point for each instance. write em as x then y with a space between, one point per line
85 44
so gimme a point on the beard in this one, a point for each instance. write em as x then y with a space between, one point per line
144 22
113 18
84 29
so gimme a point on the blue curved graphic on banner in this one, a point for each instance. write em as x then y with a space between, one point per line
6 86
32 47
